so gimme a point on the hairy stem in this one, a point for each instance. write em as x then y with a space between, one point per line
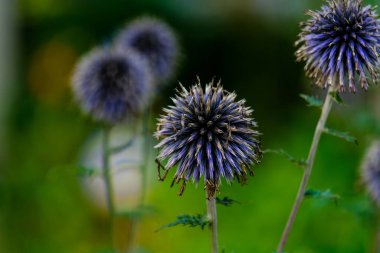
107 178
308 169
213 219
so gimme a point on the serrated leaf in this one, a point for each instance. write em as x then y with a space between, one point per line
138 212
311 101
326 195
335 95
283 153
226 201
344 135
188 220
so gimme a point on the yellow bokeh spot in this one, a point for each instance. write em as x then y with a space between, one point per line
50 70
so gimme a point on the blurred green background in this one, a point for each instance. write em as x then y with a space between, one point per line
246 43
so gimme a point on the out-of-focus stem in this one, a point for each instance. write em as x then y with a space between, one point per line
107 178
133 227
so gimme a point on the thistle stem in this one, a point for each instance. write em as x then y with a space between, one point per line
308 169
213 219
147 146
144 170
107 178
107 172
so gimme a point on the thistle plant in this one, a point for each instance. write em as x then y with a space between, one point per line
339 44
207 134
370 176
154 41
114 88
370 171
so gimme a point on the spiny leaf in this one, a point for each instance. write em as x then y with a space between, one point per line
318 194
336 97
344 135
298 162
138 212
226 201
311 101
188 220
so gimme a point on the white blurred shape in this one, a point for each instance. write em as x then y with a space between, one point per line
125 167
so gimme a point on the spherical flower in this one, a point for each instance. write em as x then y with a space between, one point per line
370 171
154 41
207 133
111 86
340 43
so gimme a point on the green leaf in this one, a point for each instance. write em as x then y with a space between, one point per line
336 97
188 220
283 153
138 212
226 201
311 101
121 148
326 195
344 135
83 171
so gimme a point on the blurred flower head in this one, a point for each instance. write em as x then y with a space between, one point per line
370 170
112 86
340 43
154 41
207 133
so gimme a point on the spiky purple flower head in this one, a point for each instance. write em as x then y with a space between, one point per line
154 41
370 171
112 86
207 133
340 43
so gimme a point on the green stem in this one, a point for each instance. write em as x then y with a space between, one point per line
107 178
308 169
144 171
213 219
146 151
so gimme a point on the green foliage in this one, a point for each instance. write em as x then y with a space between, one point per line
105 251
83 171
137 212
121 148
311 101
226 201
283 153
344 135
362 208
335 95
323 195
189 220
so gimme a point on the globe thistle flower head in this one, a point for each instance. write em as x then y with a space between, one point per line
340 44
207 133
370 171
111 86
154 41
